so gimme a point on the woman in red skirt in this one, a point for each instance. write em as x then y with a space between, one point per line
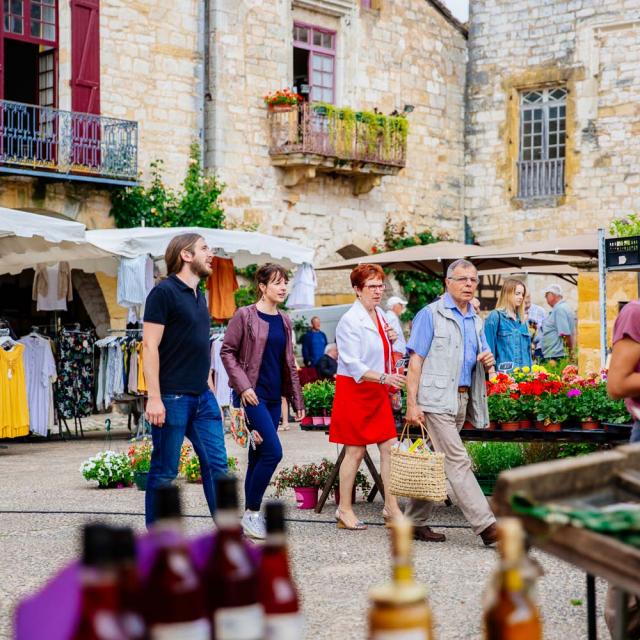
362 411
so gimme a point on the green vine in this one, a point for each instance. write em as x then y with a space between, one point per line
195 204
625 227
343 124
420 289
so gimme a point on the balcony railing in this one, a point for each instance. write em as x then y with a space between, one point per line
310 129
43 140
540 178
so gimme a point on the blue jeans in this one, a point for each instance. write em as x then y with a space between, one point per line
635 432
264 418
198 418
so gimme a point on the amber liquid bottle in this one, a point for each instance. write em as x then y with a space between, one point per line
129 585
283 620
231 577
175 606
511 613
399 609
99 613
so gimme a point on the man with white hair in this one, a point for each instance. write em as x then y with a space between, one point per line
327 366
446 387
559 326
395 308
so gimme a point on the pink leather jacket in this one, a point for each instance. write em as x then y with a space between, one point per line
243 348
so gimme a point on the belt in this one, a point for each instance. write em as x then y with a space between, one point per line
463 389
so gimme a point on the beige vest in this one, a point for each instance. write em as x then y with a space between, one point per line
438 389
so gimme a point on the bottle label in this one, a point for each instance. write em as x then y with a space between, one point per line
401 634
284 626
239 623
196 630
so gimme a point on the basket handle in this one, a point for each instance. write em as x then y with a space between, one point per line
405 428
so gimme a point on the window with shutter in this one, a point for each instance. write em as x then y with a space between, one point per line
85 56
314 55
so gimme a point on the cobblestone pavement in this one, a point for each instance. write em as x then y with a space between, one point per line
44 500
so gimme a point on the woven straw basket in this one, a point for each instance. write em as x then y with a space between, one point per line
417 475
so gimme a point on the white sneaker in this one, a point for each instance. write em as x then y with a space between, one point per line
254 525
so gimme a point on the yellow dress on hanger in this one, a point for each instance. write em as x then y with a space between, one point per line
14 408
142 385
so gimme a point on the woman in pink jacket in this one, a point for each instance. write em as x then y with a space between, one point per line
257 352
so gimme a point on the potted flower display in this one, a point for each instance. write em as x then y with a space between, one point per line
140 459
552 410
305 481
361 482
318 401
189 466
506 411
282 100
111 470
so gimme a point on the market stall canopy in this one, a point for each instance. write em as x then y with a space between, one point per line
565 271
434 258
245 247
580 246
28 239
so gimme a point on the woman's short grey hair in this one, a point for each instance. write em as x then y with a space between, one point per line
461 263
331 345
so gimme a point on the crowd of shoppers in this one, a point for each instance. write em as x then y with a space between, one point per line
450 351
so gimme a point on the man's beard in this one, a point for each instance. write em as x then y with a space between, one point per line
200 269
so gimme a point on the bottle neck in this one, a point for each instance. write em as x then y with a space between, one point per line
167 532
276 541
512 580
227 520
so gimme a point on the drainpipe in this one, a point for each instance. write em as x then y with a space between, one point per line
203 47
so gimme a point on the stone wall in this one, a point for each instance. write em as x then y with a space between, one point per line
402 53
593 49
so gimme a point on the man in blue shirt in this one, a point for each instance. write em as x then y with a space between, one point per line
446 387
313 343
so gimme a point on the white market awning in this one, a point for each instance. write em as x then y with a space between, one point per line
244 247
28 239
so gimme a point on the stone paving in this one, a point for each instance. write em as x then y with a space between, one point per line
44 500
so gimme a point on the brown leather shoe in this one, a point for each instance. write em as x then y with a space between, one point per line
490 535
425 534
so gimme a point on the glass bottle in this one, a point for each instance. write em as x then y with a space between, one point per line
511 613
175 607
129 585
231 579
99 611
399 608
283 619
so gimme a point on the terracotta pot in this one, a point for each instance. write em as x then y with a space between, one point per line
306 497
493 425
509 426
468 425
539 424
525 424
552 426
281 107
590 425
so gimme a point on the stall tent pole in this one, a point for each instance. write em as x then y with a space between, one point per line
602 297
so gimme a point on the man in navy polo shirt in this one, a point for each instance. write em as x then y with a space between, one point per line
177 371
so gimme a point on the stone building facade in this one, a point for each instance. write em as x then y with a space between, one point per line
551 128
384 55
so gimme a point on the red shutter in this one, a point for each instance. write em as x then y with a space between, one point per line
85 56
1 51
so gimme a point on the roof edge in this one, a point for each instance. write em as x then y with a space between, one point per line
449 17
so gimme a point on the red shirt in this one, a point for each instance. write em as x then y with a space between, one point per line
627 325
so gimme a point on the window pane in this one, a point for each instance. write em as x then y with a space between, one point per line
317 78
526 128
327 64
553 139
553 125
327 95
537 154
316 63
49 32
526 154
553 153
526 142
316 93
301 34
562 111
317 38
49 15
35 29
559 94
537 127
537 114
16 25
327 41
553 112
537 141
561 138
35 11
6 23
16 7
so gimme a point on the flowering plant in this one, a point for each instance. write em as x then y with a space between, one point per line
552 407
282 97
505 407
109 468
298 476
140 454
189 465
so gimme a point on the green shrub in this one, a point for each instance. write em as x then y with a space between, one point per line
494 457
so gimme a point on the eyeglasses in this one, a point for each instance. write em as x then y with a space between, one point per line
465 279
375 287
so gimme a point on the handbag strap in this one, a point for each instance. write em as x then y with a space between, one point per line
405 429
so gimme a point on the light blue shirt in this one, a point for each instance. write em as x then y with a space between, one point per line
422 336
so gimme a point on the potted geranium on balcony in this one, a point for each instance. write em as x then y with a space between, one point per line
282 100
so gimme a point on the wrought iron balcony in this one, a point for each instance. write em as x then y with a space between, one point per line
44 141
541 178
309 138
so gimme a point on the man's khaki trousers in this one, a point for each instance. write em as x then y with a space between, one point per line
463 488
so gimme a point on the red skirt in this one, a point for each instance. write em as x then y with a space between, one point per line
361 413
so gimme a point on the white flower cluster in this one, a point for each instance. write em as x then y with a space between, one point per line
109 468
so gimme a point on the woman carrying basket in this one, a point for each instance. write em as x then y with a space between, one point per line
362 413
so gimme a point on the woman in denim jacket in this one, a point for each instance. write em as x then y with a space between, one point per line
506 328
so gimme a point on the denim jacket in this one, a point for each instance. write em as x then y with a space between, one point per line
508 339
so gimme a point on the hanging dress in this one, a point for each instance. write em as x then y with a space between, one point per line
14 408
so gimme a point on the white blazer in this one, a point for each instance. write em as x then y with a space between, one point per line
359 346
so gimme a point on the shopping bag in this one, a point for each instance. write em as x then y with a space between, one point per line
417 472
239 431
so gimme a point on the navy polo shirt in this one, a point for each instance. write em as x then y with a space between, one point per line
184 347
